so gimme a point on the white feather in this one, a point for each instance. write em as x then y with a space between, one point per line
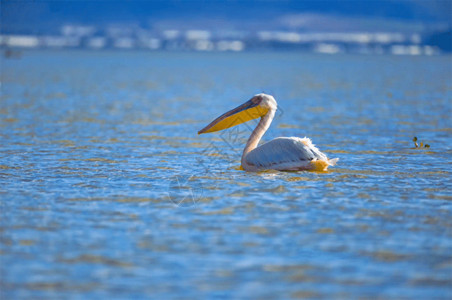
286 153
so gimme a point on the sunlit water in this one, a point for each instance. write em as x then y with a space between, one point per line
108 191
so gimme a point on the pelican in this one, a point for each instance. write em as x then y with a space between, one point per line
283 153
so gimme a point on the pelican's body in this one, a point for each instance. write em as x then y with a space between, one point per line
284 153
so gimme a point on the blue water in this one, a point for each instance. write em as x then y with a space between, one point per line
107 190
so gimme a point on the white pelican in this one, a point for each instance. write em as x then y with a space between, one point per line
283 153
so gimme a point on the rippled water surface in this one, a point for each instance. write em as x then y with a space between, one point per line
108 191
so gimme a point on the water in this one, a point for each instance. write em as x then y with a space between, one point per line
108 191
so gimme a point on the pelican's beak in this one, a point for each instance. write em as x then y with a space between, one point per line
249 110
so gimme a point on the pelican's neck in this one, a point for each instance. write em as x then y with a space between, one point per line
257 134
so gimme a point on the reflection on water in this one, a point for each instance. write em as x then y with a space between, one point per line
107 190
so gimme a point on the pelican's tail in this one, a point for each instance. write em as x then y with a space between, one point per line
322 165
332 162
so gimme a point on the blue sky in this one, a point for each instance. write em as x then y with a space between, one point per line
47 16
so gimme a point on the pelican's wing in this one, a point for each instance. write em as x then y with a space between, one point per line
288 153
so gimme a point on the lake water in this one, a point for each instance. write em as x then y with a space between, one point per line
107 190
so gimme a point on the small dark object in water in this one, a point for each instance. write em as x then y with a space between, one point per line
422 144
10 53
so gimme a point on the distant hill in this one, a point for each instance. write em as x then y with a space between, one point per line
47 17
442 40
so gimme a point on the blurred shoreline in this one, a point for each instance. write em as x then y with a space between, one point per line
87 37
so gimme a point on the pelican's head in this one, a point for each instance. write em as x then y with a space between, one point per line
256 107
